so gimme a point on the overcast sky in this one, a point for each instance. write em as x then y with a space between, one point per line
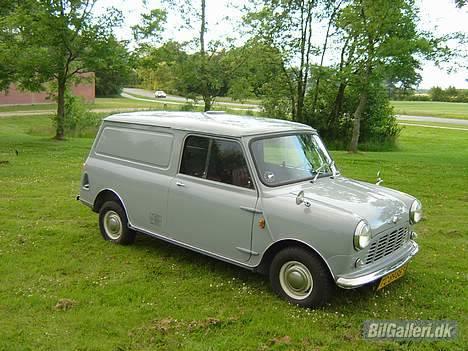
440 16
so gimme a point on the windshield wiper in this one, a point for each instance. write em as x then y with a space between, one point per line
318 171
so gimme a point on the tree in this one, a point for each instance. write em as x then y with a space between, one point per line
384 39
287 26
151 27
158 68
259 68
53 40
206 72
113 68
206 76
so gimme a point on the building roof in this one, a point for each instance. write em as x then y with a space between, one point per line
209 122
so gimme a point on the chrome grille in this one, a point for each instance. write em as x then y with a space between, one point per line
386 244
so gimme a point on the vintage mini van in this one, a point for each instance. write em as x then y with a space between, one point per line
260 193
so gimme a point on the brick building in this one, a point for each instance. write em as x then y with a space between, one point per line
14 96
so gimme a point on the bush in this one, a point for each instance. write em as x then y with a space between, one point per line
451 94
418 97
379 128
189 106
79 121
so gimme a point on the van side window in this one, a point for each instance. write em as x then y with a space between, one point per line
227 164
217 160
195 156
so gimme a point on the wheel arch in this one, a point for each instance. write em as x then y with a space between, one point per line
279 245
108 195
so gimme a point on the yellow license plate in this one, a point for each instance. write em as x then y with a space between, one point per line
391 277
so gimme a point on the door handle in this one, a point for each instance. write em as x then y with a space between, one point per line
180 184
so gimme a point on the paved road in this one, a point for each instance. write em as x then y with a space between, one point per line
432 119
430 126
181 100
170 102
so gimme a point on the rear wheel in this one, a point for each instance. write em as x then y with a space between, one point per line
113 224
300 277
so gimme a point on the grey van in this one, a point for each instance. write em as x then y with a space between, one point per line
260 193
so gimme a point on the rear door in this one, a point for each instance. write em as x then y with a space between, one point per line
210 198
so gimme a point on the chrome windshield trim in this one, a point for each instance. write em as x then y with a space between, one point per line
350 283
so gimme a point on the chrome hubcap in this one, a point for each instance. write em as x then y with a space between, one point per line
296 280
112 225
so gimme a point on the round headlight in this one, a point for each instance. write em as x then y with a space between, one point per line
362 235
415 214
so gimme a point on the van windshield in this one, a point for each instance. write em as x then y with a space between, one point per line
291 158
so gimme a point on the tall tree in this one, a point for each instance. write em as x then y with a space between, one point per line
287 26
112 68
206 71
333 10
54 40
384 38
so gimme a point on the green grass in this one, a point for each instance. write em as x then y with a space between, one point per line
100 103
33 107
430 108
116 104
153 295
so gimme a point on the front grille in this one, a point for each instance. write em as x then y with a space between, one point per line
386 244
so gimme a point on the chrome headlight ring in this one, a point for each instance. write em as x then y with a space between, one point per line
362 235
415 214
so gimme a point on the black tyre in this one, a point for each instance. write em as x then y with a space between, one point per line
113 224
300 277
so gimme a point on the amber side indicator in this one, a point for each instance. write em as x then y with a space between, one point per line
261 223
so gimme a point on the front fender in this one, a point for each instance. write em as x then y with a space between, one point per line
329 230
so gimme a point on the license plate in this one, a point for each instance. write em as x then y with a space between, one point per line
391 277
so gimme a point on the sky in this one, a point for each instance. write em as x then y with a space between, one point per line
223 16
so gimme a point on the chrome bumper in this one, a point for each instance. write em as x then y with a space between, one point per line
355 282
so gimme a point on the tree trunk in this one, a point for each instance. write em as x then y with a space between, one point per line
299 115
324 49
203 27
60 130
337 107
207 101
205 91
353 145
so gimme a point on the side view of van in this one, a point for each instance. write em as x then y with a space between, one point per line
260 193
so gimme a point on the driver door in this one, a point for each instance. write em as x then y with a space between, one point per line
209 196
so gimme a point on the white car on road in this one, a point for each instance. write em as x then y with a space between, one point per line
159 94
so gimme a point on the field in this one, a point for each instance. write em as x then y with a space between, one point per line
108 105
429 108
64 288
413 108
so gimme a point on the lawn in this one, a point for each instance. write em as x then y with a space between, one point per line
100 103
116 104
431 108
64 288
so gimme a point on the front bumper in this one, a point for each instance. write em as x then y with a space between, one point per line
355 282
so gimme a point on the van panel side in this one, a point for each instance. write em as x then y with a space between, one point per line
148 147
138 163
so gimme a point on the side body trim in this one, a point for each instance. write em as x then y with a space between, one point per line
190 247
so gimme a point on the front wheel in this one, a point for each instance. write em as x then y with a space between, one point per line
113 224
300 277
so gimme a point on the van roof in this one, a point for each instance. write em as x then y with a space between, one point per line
209 122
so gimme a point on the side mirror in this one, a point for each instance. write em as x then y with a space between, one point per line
300 199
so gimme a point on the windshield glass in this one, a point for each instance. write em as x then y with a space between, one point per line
290 158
